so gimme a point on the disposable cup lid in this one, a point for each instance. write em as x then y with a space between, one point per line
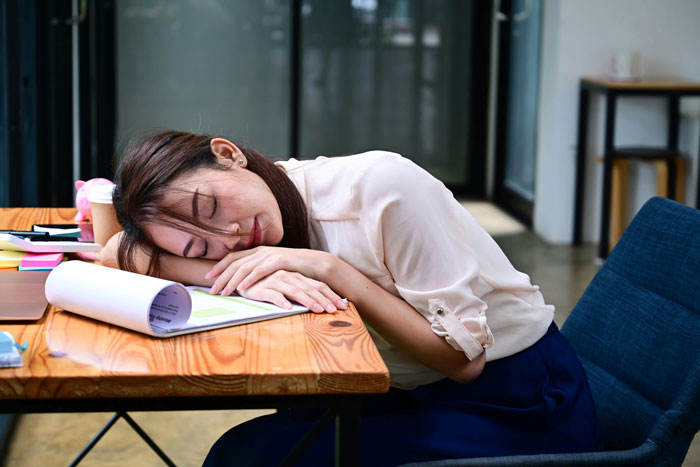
101 194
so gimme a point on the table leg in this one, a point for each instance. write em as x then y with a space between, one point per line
347 437
604 241
581 149
673 122
697 182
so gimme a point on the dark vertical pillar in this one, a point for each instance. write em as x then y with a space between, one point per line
295 67
604 243
581 145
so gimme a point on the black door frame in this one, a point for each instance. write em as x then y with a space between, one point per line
509 200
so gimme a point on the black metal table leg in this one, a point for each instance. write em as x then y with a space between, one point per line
135 427
347 437
94 440
604 241
581 146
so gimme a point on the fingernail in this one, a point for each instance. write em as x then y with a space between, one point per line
286 305
330 308
341 304
318 308
242 286
207 275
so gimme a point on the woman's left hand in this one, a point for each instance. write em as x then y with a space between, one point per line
240 270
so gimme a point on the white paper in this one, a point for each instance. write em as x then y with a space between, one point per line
150 305
118 297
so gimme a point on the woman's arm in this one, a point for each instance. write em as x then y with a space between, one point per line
397 321
401 325
190 271
278 288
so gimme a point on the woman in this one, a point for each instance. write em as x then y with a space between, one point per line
477 366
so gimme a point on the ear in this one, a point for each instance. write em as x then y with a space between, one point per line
225 150
79 184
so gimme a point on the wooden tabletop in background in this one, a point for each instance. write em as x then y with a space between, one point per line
70 356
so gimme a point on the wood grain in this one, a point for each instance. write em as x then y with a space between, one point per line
70 356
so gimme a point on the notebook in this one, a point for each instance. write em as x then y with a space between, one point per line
22 294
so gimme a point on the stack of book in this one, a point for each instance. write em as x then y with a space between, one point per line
41 248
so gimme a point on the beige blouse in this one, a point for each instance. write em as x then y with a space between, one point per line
404 230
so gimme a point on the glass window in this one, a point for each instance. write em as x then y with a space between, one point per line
392 75
212 67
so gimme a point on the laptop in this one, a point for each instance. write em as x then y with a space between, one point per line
22 295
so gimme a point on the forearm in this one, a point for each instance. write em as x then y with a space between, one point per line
190 271
399 323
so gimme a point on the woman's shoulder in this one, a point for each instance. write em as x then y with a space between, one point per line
364 177
354 163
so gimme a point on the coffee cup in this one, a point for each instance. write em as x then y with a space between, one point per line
104 219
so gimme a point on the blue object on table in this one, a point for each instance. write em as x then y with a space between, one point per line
636 330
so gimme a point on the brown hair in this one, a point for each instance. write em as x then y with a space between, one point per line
147 170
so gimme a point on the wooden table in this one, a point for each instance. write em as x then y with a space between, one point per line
75 364
668 87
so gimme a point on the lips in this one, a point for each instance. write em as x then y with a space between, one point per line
256 237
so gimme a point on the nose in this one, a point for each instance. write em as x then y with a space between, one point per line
230 239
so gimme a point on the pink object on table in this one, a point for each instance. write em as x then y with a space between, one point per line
81 198
47 260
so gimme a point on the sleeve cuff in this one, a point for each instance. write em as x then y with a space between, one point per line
470 335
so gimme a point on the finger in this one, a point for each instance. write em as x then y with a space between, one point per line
322 293
297 294
223 279
251 271
228 281
269 295
219 267
316 292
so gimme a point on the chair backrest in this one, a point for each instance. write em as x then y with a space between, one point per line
636 330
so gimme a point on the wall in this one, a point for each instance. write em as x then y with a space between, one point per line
578 39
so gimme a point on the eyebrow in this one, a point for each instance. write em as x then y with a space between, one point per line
195 204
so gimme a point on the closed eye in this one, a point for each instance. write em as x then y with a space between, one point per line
213 211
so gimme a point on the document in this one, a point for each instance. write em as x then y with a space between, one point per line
150 305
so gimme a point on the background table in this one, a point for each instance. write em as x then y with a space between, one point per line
78 364
671 88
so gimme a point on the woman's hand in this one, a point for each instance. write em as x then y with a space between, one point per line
273 273
282 286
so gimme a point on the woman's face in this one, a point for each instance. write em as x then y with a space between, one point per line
235 200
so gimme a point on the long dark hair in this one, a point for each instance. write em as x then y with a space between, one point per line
146 172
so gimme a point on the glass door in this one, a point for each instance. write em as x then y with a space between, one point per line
398 75
516 121
209 67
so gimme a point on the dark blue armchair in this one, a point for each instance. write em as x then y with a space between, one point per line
637 331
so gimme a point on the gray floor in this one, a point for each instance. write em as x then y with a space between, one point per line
563 272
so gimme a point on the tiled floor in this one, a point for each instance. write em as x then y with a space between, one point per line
46 440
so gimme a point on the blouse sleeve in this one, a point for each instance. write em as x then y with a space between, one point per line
433 249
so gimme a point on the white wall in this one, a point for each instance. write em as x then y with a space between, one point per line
578 39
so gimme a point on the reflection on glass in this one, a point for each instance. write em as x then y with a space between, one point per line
213 66
522 98
387 74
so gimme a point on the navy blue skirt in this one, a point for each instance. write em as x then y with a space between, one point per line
536 401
